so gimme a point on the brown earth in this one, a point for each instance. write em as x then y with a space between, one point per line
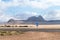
33 36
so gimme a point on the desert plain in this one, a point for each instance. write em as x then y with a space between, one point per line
36 35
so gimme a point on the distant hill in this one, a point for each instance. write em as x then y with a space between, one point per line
15 21
54 21
30 19
11 21
34 19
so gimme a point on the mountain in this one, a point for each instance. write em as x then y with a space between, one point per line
54 21
34 19
29 20
11 21
15 21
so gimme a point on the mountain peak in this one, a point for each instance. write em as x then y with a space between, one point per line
30 19
11 20
34 19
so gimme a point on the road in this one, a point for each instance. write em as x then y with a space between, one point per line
28 29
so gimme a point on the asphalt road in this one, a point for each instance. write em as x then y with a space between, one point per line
28 29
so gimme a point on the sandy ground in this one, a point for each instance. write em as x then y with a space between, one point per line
46 26
33 36
36 35
55 26
49 26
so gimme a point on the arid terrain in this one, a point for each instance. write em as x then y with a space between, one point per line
55 26
33 36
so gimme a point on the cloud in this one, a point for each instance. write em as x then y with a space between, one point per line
35 3
4 17
26 8
25 15
52 15
6 0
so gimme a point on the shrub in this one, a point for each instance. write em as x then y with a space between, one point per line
8 26
23 26
2 34
6 33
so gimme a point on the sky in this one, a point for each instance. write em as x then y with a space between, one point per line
22 9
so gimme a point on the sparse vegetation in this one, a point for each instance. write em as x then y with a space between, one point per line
1 26
13 26
8 26
23 26
6 33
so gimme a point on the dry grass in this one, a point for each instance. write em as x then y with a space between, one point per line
9 33
33 36
46 26
36 35
33 26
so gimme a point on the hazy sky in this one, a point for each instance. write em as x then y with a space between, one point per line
22 9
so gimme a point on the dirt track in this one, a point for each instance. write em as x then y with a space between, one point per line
33 36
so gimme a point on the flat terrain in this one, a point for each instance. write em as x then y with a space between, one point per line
33 36
55 26
41 28
50 26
